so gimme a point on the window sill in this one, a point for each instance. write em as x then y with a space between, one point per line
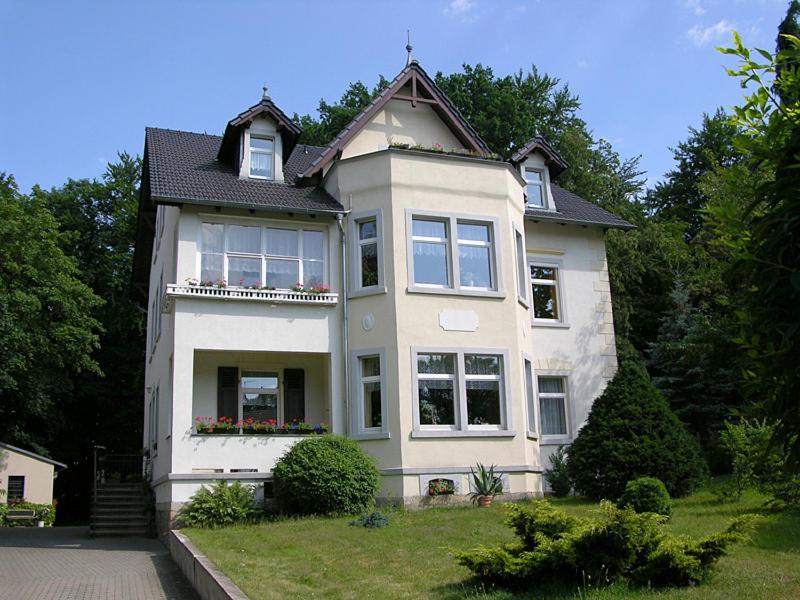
378 435
554 440
553 325
494 294
445 433
523 303
361 293
532 435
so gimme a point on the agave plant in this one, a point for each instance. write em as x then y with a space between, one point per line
487 484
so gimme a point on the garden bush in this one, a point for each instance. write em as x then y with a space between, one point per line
221 506
557 476
42 512
323 475
618 545
374 520
631 432
646 494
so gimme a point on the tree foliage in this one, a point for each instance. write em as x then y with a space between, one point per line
630 433
48 331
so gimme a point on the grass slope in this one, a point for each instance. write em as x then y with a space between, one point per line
327 558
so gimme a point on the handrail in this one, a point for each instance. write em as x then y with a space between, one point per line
247 294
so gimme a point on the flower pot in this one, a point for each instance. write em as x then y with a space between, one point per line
485 501
40 523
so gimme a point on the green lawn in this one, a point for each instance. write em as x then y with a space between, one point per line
327 558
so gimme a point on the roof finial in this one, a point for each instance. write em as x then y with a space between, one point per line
409 48
265 90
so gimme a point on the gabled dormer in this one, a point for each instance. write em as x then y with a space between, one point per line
539 164
258 141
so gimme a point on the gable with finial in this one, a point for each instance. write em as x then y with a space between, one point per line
381 123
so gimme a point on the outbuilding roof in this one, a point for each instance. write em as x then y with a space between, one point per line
33 455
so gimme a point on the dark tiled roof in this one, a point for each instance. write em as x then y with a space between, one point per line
575 210
301 158
557 164
184 168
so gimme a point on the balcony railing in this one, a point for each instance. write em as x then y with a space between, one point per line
202 292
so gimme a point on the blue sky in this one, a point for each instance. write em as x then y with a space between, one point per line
81 80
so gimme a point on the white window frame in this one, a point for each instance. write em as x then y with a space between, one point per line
565 377
153 421
252 151
522 272
244 390
451 242
542 183
264 225
358 430
558 265
529 384
356 289
462 428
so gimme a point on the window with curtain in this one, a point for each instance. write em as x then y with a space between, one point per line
475 255
277 257
553 405
430 247
262 157
534 187
544 292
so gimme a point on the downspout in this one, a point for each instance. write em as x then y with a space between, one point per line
345 340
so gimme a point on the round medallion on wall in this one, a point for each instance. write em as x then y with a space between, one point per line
368 322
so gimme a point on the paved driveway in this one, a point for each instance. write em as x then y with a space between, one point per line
63 563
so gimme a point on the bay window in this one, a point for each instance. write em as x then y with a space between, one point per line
452 254
460 393
271 256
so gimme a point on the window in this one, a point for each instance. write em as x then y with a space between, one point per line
277 257
259 395
475 255
436 386
153 421
262 153
534 187
460 391
16 488
371 392
369 406
530 400
553 405
430 252
451 254
368 253
482 377
522 286
545 295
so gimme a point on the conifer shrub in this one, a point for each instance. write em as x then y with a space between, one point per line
646 494
618 544
631 432
557 476
324 475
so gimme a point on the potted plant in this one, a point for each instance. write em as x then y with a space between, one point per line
487 485
223 425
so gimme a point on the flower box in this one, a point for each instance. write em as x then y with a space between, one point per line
226 426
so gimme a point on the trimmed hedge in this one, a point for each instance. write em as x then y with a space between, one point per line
324 475
631 432
646 494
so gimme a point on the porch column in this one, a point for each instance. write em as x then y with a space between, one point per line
182 392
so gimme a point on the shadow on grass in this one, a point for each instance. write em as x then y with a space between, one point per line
474 588
779 531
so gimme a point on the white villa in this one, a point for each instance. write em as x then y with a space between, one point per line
402 286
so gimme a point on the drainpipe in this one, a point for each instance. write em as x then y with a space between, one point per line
345 340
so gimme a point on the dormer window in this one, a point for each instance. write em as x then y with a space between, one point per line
262 157
534 186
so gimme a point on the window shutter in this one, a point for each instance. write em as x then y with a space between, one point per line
227 392
294 394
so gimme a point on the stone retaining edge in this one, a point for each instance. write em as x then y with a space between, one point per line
206 578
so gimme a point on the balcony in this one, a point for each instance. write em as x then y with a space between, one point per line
241 294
